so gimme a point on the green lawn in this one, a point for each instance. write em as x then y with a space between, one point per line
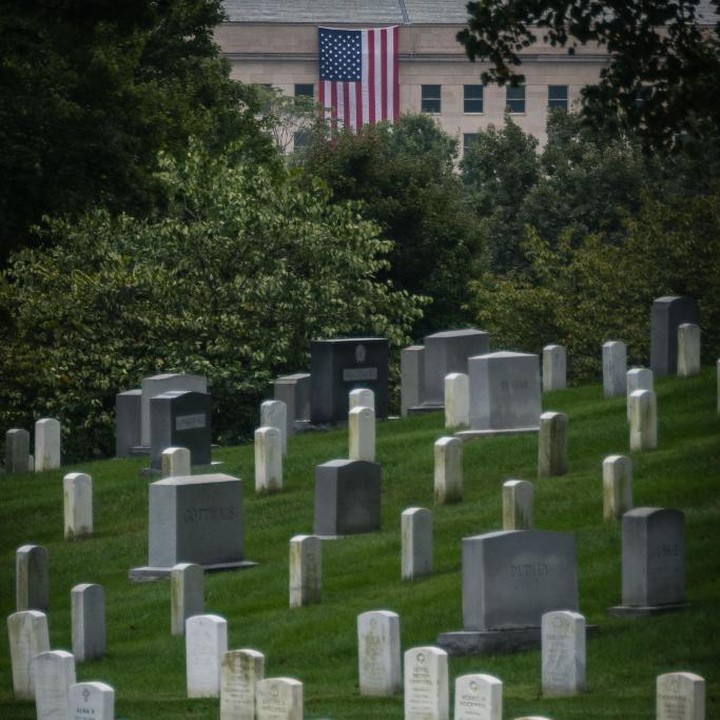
318 645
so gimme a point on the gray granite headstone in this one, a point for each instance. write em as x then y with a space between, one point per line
341 365
347 497
32 577
666 315
89 637
412 377
17 451
294 391
128 421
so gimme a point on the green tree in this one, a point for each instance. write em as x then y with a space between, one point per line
243 271
661 78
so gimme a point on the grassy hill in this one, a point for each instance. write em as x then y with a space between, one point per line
318 645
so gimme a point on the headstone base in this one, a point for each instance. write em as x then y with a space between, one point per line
214 466
149 574
426 408
644 611
478 434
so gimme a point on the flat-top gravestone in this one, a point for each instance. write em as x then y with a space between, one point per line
77 505
205 645
412 378
379 666
478 697
614 364
554 368
94 700
563 653
294 391
448 352
187 595
666 315
54 673
680 696
88 622
426 684
417 542
347 497
32 578
28 634
128 422
17 451
47 444
240 670
341 365
279 699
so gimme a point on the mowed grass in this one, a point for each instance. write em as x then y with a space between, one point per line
318 644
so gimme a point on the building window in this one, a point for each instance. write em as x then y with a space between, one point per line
301 139
468 140
515 99
304 90
558 96
472 98
430 98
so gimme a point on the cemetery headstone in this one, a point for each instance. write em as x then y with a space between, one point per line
666 315
412 377
128 422
273 413
187 594
77 505
563 653
614 363
279 699
554 368
28 635
688 362
32 578
717 373
53 672
478 697
426 684
205 644
240 670
94 700
294 391
417 542
341 365
653 561
361 434
305 570
643 420
361 397
517 498
552 444
268 460
17 451
448 473
88 622
175 462
379 653
347 497
47 444
680 696
457 400
617 486
637 379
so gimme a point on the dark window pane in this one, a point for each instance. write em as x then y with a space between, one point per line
430 98
472 98
515 99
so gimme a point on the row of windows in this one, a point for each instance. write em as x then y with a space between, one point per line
474 98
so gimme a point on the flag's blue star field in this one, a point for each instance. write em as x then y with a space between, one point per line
340 55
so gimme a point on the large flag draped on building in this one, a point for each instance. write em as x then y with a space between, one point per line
359 75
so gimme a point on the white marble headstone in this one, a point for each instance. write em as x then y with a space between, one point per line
563 653
379 653
78 505
205 644
426 684
28 633
94 700
448 474
268 460
240 671
361 433
54 674
680 696
478 697
279 699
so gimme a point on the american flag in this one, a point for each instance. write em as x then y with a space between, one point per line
359 75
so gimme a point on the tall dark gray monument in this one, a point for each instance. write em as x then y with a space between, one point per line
128 413
666 315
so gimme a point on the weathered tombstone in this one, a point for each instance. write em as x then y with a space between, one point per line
159 384
637 379
680 696
268 460
205 644
478 697
196 519
517 500
341 365
32 578
347 497
88 622
614 364
457 400
666 315
416 528
47 444
305 570
643 420
239 671
279 699
653 561
17 451
175 462
552 444
274 413
94 700
53 672
510 580
294 391
554 368
187 594
361 434
448 472
180 418
77 505
617 486
427 695
361 397
128 422
504 391
28 635
448 352
563 653
688 362
379 653
412 377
